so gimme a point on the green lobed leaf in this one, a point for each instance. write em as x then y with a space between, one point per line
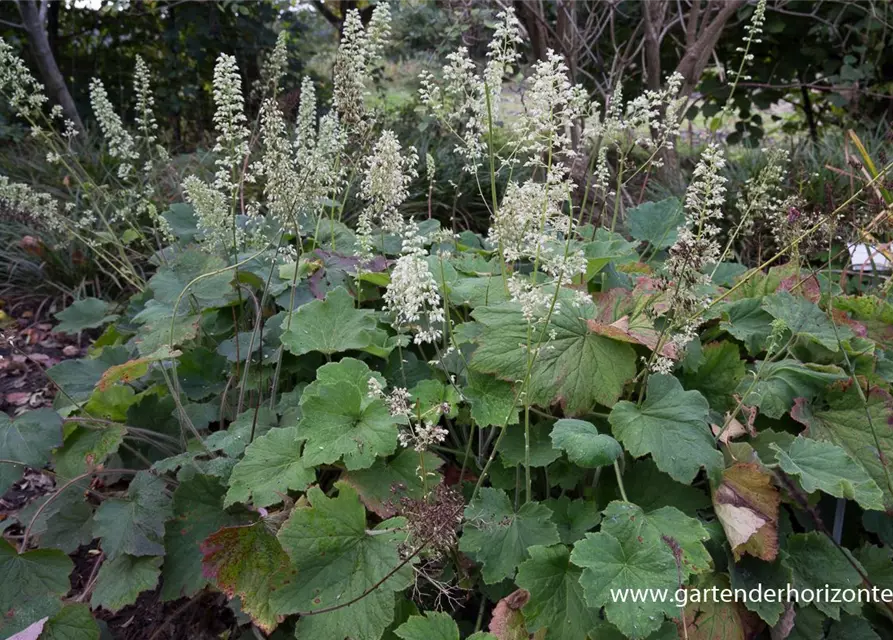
31 584
879 523
851 627
235 438
43 509
492 400
428 397
120 581
240 346
271 467
201 373
339 422
202 414
28 439
29 616
874 313
878 564
573 517
750 573
85 449
565 475
814 561
79 376
804 318
477 292
556 595
111 402
631 563
72 622
160 328
403 611
434 625
382 344
626 521
825 466
69 528
512 448
641 479
718 375
657 223
584 445
725 273
337 560
747 321
212 289
606 247
499 537
349 370
134 524
671 425
809 623
859 428
578 369
783 381
329 325
40 572
181 219
87 313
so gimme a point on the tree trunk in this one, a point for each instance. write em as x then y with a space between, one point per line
703 27
566 31
700 47
530 14
807 110
655 13
53 27
33 19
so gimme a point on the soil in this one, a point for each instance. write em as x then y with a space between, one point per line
29 347
204 617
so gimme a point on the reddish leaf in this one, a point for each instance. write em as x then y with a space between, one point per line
248 562
507 622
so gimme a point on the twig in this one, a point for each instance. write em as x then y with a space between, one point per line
88 587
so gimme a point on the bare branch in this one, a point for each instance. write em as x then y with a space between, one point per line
327 13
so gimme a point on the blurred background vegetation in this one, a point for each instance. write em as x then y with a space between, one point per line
820 69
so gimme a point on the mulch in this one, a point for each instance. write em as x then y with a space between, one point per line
34 348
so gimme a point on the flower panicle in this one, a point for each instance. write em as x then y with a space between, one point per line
466 100
684 279
25 94
553 106
387 176
276 65
229 121
120 143
145 101
359 50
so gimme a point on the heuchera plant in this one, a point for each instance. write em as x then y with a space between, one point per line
389 428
